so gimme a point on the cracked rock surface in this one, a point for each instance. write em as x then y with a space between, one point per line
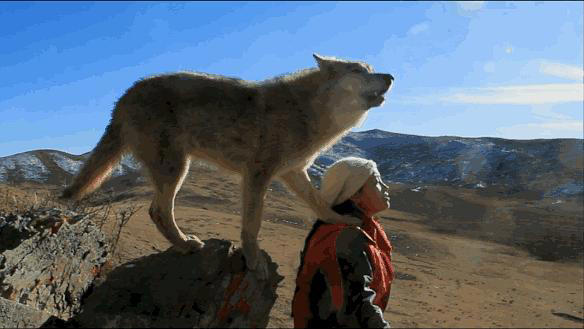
16 315
54 264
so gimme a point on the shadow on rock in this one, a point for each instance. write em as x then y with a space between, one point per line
208 288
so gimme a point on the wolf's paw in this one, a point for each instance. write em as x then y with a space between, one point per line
191 244
255 261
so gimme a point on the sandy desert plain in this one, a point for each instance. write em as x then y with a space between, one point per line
444 279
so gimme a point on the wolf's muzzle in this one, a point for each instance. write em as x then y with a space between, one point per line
375 97
387 78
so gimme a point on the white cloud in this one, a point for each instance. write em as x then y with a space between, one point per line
519 94
562 70
546 112
418 28
551 129
470 5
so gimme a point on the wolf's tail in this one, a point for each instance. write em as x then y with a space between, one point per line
97 168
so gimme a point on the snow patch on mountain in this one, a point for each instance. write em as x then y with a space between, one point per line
67 164
127 164
473 158
29 166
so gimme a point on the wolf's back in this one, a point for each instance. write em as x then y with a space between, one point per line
97 168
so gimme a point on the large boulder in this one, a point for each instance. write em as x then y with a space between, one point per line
207 289
55 271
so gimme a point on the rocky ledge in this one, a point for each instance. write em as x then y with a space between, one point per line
55 271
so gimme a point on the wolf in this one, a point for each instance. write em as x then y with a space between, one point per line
271 129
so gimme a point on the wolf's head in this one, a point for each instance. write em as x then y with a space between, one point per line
354 81
347 90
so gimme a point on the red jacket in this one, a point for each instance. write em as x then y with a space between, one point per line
344 277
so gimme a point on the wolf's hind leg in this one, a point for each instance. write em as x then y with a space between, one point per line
167 176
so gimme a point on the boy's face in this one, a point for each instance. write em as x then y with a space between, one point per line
373 196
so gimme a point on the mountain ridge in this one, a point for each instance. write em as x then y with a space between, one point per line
551 167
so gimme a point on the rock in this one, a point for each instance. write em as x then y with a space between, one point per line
404 276
16 315
15 228
206 289
55 273
55 264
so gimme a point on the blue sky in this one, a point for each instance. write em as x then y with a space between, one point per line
471 69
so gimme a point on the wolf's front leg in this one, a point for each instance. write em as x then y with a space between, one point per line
299 182
254 186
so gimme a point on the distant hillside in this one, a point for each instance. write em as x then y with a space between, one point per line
54 167
551 167
545 168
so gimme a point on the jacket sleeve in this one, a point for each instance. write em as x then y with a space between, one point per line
357 275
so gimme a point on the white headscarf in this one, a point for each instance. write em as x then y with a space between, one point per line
345 177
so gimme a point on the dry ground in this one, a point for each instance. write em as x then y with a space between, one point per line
444 279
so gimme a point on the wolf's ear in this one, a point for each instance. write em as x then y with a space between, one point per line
321 61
